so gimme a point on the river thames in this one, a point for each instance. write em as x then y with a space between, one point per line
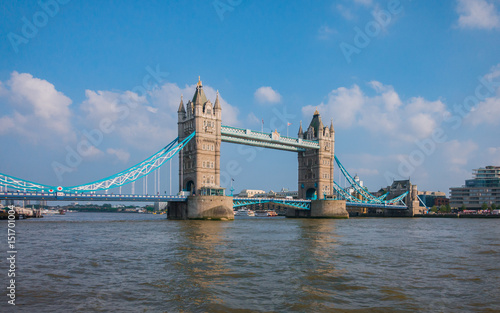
98 262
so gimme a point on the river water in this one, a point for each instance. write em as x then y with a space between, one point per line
99 262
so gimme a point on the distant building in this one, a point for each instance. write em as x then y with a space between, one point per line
255 193
250 193
284 193
433 198
399 187
483 188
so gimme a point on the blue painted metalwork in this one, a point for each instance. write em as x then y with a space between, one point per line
355 184
397 199
124 177
301 204
61 196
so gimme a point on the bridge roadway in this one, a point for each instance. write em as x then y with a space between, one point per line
60 196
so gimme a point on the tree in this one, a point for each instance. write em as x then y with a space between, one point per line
434 209
493 207
444 209
484 206
463 208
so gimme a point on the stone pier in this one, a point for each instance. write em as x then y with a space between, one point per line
321 209
202 208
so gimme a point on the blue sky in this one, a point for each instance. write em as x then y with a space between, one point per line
412 86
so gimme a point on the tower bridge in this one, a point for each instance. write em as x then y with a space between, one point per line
200 134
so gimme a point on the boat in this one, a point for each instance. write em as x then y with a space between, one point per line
272 213
265 213
244 212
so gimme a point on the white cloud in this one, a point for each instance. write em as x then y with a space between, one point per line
479 14
147 121
120 154
37 110
345 12
364 172
366 3
267 95
382 113
252 119
488 110
325 32
457 154
493 156
168 97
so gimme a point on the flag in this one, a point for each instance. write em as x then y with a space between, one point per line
288 124
262 121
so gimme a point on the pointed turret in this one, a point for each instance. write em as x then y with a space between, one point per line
316 124
217 103
181 107
331 126
199 97
301 132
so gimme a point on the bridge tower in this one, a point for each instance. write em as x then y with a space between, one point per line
199 161
316 166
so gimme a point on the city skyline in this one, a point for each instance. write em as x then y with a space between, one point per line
407 98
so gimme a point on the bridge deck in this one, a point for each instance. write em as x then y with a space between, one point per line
266 140
60 196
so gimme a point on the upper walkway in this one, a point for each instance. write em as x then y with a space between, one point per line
267 140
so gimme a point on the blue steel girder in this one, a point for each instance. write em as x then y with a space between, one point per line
124 177
397 199
301 204
266 140
355 184
376 205
62 196
344 194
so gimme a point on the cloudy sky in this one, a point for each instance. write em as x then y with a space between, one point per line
413 87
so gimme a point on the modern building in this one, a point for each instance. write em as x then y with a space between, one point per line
483 188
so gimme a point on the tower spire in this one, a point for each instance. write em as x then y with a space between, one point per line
181 107
301 132
331 126
217 102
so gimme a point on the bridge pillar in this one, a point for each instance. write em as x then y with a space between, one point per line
202 208
321 209
329 209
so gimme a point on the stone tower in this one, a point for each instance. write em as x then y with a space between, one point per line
316 166
199 161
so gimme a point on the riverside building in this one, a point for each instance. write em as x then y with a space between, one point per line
483 188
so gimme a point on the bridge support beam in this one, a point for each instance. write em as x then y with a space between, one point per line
321 209
202 208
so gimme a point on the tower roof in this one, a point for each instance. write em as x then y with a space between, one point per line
301 132
199 97
181 107
217 103
316 123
